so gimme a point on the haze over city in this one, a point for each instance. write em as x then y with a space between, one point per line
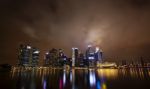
119 27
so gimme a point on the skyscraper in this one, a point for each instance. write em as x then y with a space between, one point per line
53 57
25 55
28 56
47 59
90 53
35 56
61 58
90 56
81 60
98 54
93 55
74 56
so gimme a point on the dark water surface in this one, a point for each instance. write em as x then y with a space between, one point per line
76 79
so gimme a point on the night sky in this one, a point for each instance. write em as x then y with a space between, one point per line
121 28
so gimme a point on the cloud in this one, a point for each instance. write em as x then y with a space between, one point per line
112 25
30 32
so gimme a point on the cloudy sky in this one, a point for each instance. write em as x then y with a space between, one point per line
121 28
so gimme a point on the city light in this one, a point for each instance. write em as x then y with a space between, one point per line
89 46
108 73
64 78
36 52
104 86
28 47
91 58
75 44
98 85
92 78
47 53
97 49
44 84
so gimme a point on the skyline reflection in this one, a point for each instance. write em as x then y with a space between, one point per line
74 78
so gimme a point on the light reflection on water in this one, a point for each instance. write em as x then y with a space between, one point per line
75 78
108 73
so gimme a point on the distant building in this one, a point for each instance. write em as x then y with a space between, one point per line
47 59
74 56
98 54
81 60
62 59
90 53
24 55
90 56
35 56
93 55
28 56
53 57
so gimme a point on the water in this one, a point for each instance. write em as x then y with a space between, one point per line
76 79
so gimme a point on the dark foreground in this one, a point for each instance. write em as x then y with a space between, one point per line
76 79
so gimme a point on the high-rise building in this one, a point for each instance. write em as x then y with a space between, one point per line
74 56
98 54
61 53
24 55
93 55
90 56
81 60
90 53
53 57
47 59
28 56
61 58
35 56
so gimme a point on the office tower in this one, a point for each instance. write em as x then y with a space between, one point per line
35 56
74 56
47 59
28 56
98 54
90 53
81 60
53 57
61 58
25 55
90 56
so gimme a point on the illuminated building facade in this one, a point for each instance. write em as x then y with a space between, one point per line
62 59
90 56
35 56
28 56
24 55
47 59
53 57
74 56
93 55
81 60
98 54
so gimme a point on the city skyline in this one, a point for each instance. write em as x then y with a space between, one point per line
75 44
93 56
29 55
120 27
